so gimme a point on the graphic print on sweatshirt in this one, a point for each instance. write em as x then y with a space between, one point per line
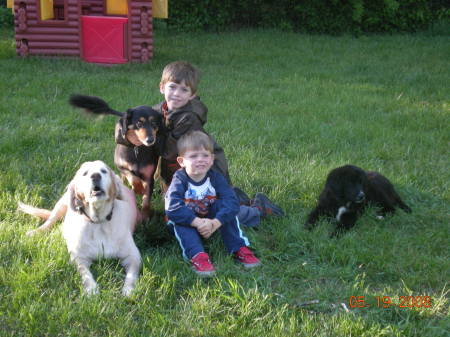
200 198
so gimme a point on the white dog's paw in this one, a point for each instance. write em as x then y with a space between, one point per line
127 290
91 289
31 233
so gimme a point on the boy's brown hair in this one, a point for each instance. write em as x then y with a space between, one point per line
180 71
194 140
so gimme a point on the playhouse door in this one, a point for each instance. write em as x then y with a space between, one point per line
104 39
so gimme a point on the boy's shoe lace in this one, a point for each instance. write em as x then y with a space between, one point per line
246 257
265 206
202 265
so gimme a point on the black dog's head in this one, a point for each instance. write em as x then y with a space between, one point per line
347 186
144 122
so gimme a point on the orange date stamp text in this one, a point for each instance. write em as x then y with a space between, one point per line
388 302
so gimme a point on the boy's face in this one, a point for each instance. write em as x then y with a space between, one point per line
176 95
197 163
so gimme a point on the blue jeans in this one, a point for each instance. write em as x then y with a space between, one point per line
191 243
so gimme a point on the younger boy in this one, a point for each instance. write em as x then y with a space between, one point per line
199 202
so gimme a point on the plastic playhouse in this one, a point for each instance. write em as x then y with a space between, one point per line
99 31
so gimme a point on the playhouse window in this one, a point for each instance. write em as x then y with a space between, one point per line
116 7
52 9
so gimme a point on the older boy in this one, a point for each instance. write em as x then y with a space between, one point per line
199 202
182 112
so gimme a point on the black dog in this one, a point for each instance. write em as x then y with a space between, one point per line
137 154
348 189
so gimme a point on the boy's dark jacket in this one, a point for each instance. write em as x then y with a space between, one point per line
190 117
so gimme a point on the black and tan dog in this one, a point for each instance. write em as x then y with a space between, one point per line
348 190
137 156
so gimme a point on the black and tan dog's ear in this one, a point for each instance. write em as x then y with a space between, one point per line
120 134
124 122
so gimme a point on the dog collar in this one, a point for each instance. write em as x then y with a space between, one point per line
82 211
109 216
136 151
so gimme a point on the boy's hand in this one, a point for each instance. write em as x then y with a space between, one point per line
216 224
203 226
205 229
197 222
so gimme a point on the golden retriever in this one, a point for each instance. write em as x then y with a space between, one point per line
100 217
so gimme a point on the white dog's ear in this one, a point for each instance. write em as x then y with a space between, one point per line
76 200
115 188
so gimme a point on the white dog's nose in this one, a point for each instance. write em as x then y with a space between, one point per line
96 177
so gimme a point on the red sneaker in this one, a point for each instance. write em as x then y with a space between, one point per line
202 265
246 257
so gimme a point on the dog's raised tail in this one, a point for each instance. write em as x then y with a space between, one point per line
38 212
93 105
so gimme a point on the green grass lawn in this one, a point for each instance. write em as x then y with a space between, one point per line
287 108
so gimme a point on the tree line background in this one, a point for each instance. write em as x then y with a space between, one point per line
306 16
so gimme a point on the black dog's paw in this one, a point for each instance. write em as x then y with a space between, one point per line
406 208
309 226
336 234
